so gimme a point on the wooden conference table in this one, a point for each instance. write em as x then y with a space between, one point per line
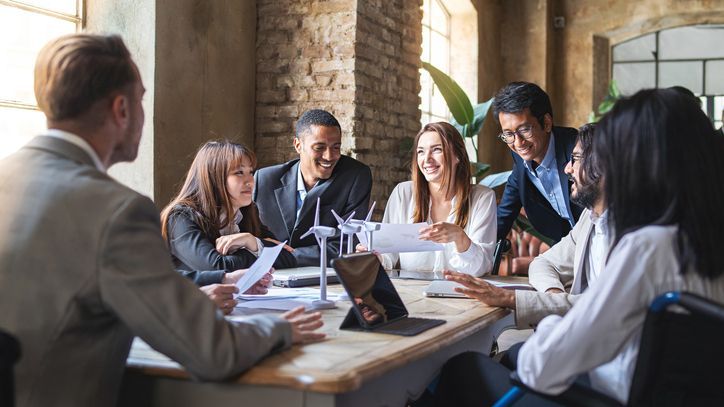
347 369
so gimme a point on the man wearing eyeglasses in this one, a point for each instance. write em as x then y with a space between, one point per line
540 152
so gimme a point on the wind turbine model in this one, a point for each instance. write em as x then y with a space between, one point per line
348 229
370 227
321 233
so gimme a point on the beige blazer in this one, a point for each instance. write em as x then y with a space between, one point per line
83 268
560 267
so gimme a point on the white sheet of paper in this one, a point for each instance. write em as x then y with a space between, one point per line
276 293
282 304
260 267
399 238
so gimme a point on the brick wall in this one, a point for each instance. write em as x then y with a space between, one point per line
357 59
388 47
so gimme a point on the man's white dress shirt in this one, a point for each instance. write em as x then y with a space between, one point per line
601 333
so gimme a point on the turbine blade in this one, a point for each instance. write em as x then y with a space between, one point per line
316 214
309 232
339 218
349 217
369 214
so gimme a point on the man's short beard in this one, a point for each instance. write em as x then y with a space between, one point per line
586 195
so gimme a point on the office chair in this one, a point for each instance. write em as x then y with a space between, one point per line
501 247
9 354
665 374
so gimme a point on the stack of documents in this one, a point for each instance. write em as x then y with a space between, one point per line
283 299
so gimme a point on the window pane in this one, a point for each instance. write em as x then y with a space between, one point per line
718 107
704 41
438 17
632 77
425 44
17 126
60 6
22 34
686 74
426 12
440 52
637 49
439 106
714 78
425 91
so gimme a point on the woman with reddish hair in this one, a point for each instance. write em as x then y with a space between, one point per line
461 216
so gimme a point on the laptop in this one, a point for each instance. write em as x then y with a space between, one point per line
376 305
446 288
302 277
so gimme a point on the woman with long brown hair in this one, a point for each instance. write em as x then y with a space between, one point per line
461 216
212 226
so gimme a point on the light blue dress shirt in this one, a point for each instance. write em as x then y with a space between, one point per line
546 179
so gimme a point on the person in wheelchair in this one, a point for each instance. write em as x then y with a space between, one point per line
661 164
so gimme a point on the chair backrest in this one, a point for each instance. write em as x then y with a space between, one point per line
681 356
9 354
524 247
501 248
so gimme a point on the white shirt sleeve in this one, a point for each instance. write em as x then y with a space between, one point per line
608 317
482 231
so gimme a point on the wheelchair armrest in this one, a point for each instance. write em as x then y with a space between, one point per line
576 395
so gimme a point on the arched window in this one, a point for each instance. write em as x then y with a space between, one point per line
690 56
25 26
436 51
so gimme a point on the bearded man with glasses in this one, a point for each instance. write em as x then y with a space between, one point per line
540 153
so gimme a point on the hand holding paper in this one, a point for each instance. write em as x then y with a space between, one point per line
260 267
400 238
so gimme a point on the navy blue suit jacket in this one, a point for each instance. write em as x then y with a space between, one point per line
520 192
275 194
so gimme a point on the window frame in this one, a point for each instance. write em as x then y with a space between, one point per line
79 19
708 100
427 111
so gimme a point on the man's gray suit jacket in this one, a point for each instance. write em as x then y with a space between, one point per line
561 265
83 268
275 194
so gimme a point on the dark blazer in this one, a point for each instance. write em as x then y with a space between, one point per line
194 252
275 194
520 191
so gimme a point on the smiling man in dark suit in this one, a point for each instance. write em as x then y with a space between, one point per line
540 152
286 194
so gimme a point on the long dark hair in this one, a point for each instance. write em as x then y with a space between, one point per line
663 165
453 146
204 190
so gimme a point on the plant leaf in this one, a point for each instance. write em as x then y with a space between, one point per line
457 101
480 112
406 145
478 169
495 180
613 90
